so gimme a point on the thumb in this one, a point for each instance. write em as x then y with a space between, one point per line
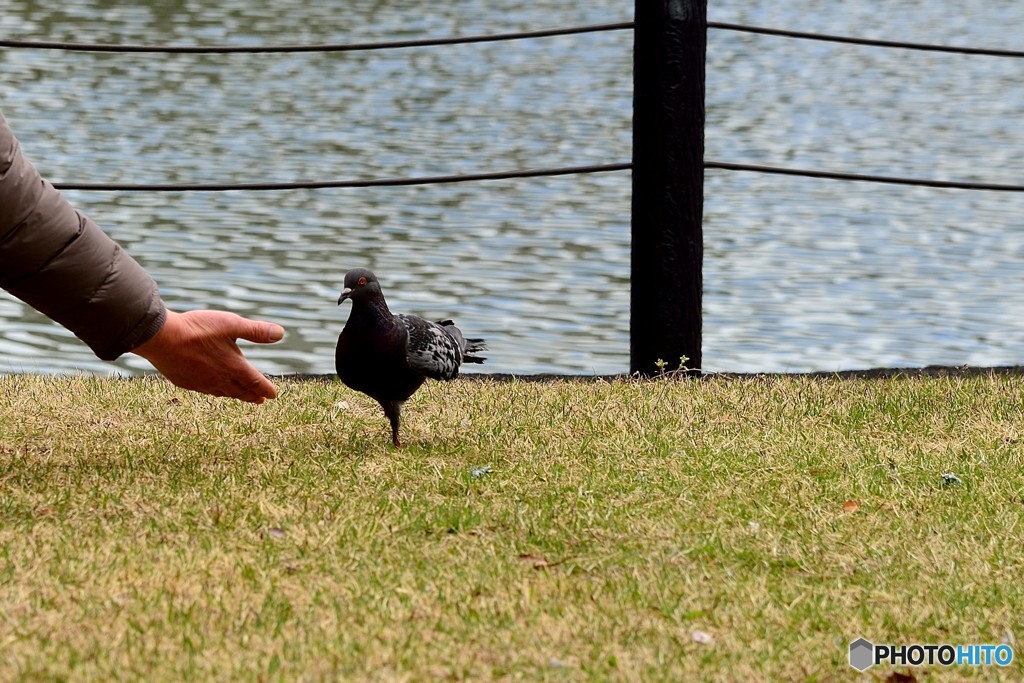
260 332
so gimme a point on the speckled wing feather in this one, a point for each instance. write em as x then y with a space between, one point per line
432 350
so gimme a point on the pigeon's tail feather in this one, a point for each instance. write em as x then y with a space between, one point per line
468 347
474 346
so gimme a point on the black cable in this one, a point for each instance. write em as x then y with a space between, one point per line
831 175
526 173
424 42
316 185
865 41
329 47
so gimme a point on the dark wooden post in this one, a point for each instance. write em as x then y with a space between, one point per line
670 40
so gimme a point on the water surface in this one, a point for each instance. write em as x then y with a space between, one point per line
799 274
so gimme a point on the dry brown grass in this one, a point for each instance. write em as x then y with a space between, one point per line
562 531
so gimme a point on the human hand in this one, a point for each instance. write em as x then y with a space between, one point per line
196 350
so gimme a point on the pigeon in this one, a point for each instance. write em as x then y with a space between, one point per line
387 356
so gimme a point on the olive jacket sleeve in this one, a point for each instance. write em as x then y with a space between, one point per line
61 263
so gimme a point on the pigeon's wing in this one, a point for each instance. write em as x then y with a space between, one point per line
431 349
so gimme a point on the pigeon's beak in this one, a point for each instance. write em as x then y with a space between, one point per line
345 294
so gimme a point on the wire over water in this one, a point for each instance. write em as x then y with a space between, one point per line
527 173
515 35
328 47
362 182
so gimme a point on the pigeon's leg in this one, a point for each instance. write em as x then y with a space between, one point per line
393 409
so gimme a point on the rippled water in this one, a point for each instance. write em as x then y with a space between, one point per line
799 274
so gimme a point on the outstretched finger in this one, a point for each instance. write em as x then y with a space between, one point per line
259 331
255 389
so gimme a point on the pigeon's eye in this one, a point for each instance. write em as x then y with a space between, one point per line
362 281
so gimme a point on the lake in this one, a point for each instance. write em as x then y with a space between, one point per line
799 274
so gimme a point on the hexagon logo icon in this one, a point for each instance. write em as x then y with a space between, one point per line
862 654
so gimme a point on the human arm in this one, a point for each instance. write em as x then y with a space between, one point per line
61 263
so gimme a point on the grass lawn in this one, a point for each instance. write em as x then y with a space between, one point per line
734 529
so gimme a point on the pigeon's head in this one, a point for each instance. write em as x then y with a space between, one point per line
360 283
